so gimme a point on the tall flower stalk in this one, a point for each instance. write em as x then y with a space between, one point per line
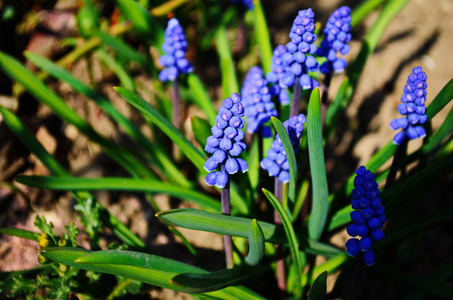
174 63
276 163
414 110
225 144
337 36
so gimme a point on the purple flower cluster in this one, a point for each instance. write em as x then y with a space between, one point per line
337 35
368 217
299 59
257 100
175 45
413 107
225 143
276 162
278 71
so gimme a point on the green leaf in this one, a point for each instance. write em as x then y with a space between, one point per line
25 234
201 97
364 9
291 236
201 283
262 36
329 266
116 67
443 98
287 145
202 129
137 14
229 79
169 129
122 48
221 224
319 288
256 244
143 267
120 184
320 195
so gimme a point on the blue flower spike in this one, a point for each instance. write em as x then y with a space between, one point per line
299 59
276 162
337 35
257 101
368 216
413 108
175 45
278 71
225 143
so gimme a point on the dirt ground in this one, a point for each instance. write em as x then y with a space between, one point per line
419 36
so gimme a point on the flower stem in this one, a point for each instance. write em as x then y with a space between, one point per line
295 104
399 154
358 279
227 240
325 93
176 114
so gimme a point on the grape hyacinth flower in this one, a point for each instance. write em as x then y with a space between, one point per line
413 107
276 162
368 216
247 3
257 100
337 35
175 45
278 71
225 143
299 57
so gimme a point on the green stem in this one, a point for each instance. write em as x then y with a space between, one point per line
399 154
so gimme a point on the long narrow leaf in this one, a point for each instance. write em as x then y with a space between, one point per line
143 267
262 36
201 96
119 184
320 195
229 79
221 224
291 236
25 234
169 129
287 145
202 283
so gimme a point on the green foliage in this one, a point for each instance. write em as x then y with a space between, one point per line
155 157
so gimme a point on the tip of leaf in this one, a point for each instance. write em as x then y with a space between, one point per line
115 88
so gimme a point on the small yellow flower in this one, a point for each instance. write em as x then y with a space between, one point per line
43 240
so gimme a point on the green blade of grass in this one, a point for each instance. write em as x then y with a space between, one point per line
125 79
201 97
35 147
292 239
201 283
148 268
120 184
122 48
229 79
262 36
320 195
319 288
25 234
256 244
169 129
363 10
137 14
287 145
221 224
